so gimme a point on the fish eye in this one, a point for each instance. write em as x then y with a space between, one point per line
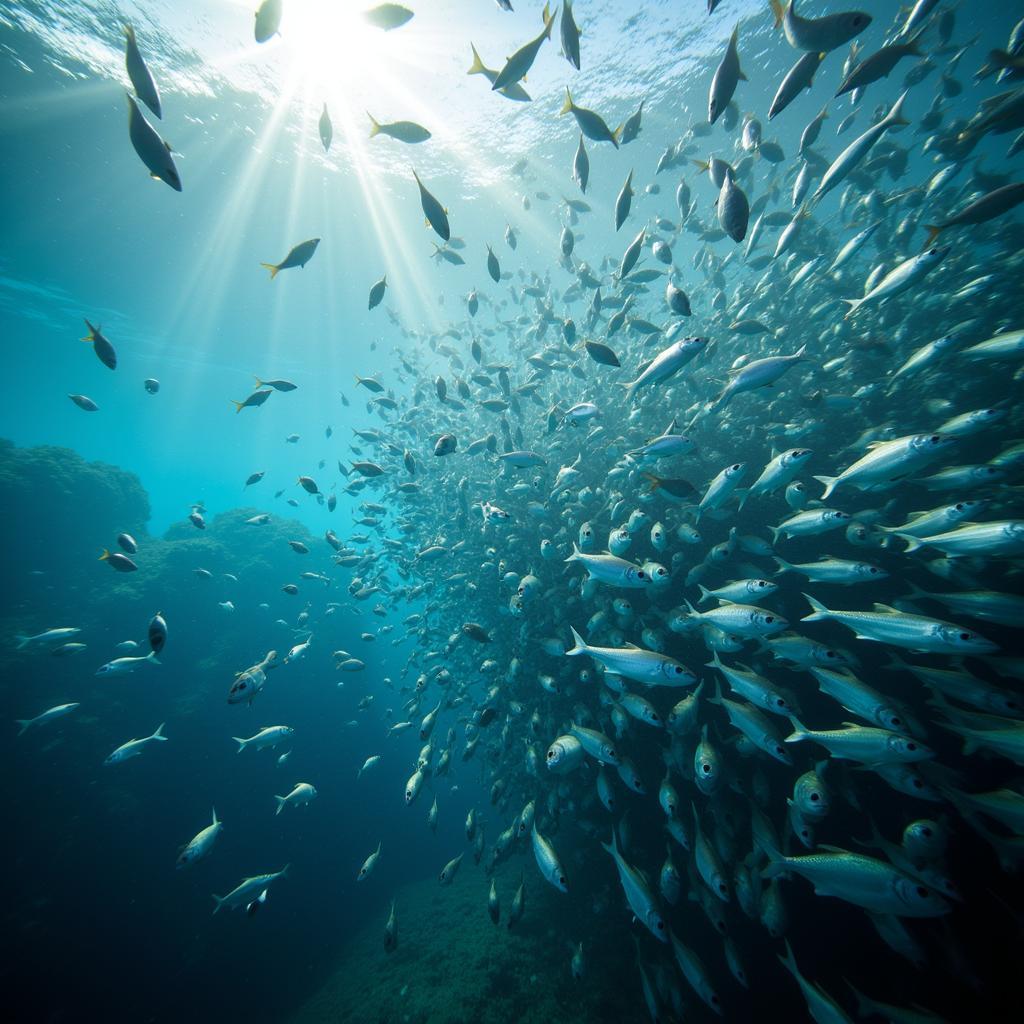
660 926
705 768
926 832
736 468
873 571
922 892
831 654
911 745
815 797
917 783
933 252
714 999
965 636
769 619
896 722
563 880
934 439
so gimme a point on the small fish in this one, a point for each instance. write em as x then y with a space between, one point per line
298 256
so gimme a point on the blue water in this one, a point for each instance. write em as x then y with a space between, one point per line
98 923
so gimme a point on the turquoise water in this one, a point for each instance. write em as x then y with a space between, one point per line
175 282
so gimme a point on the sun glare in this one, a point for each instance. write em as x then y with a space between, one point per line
330 45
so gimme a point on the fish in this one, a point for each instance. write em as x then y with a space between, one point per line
408 132
268 20
57 711
727 76
820 35
594 127
325 129
388 16
248 888
512 92
152 150
201 844
298 256
133 748
518 65
139 74
436 214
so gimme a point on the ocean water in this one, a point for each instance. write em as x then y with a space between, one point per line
99 924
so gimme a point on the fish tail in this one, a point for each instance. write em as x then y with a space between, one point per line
704 595
799 731
259 383
159 734
104 556
272 268
281 801
654 482
151 657
477 67
22 641
374 125
568 104
575 556
932 229
219 900
237 405
830 482
22 724
702 164
549 20
783 566
241 743
895 115
854 305
778 11
913 543
819 613
580 644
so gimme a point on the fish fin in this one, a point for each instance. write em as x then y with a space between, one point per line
819 613
854 305
830 482
799 731
580 644
477 67
913 543
879 607
895 115
215 821
271 268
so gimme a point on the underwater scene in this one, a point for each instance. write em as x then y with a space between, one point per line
513 512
